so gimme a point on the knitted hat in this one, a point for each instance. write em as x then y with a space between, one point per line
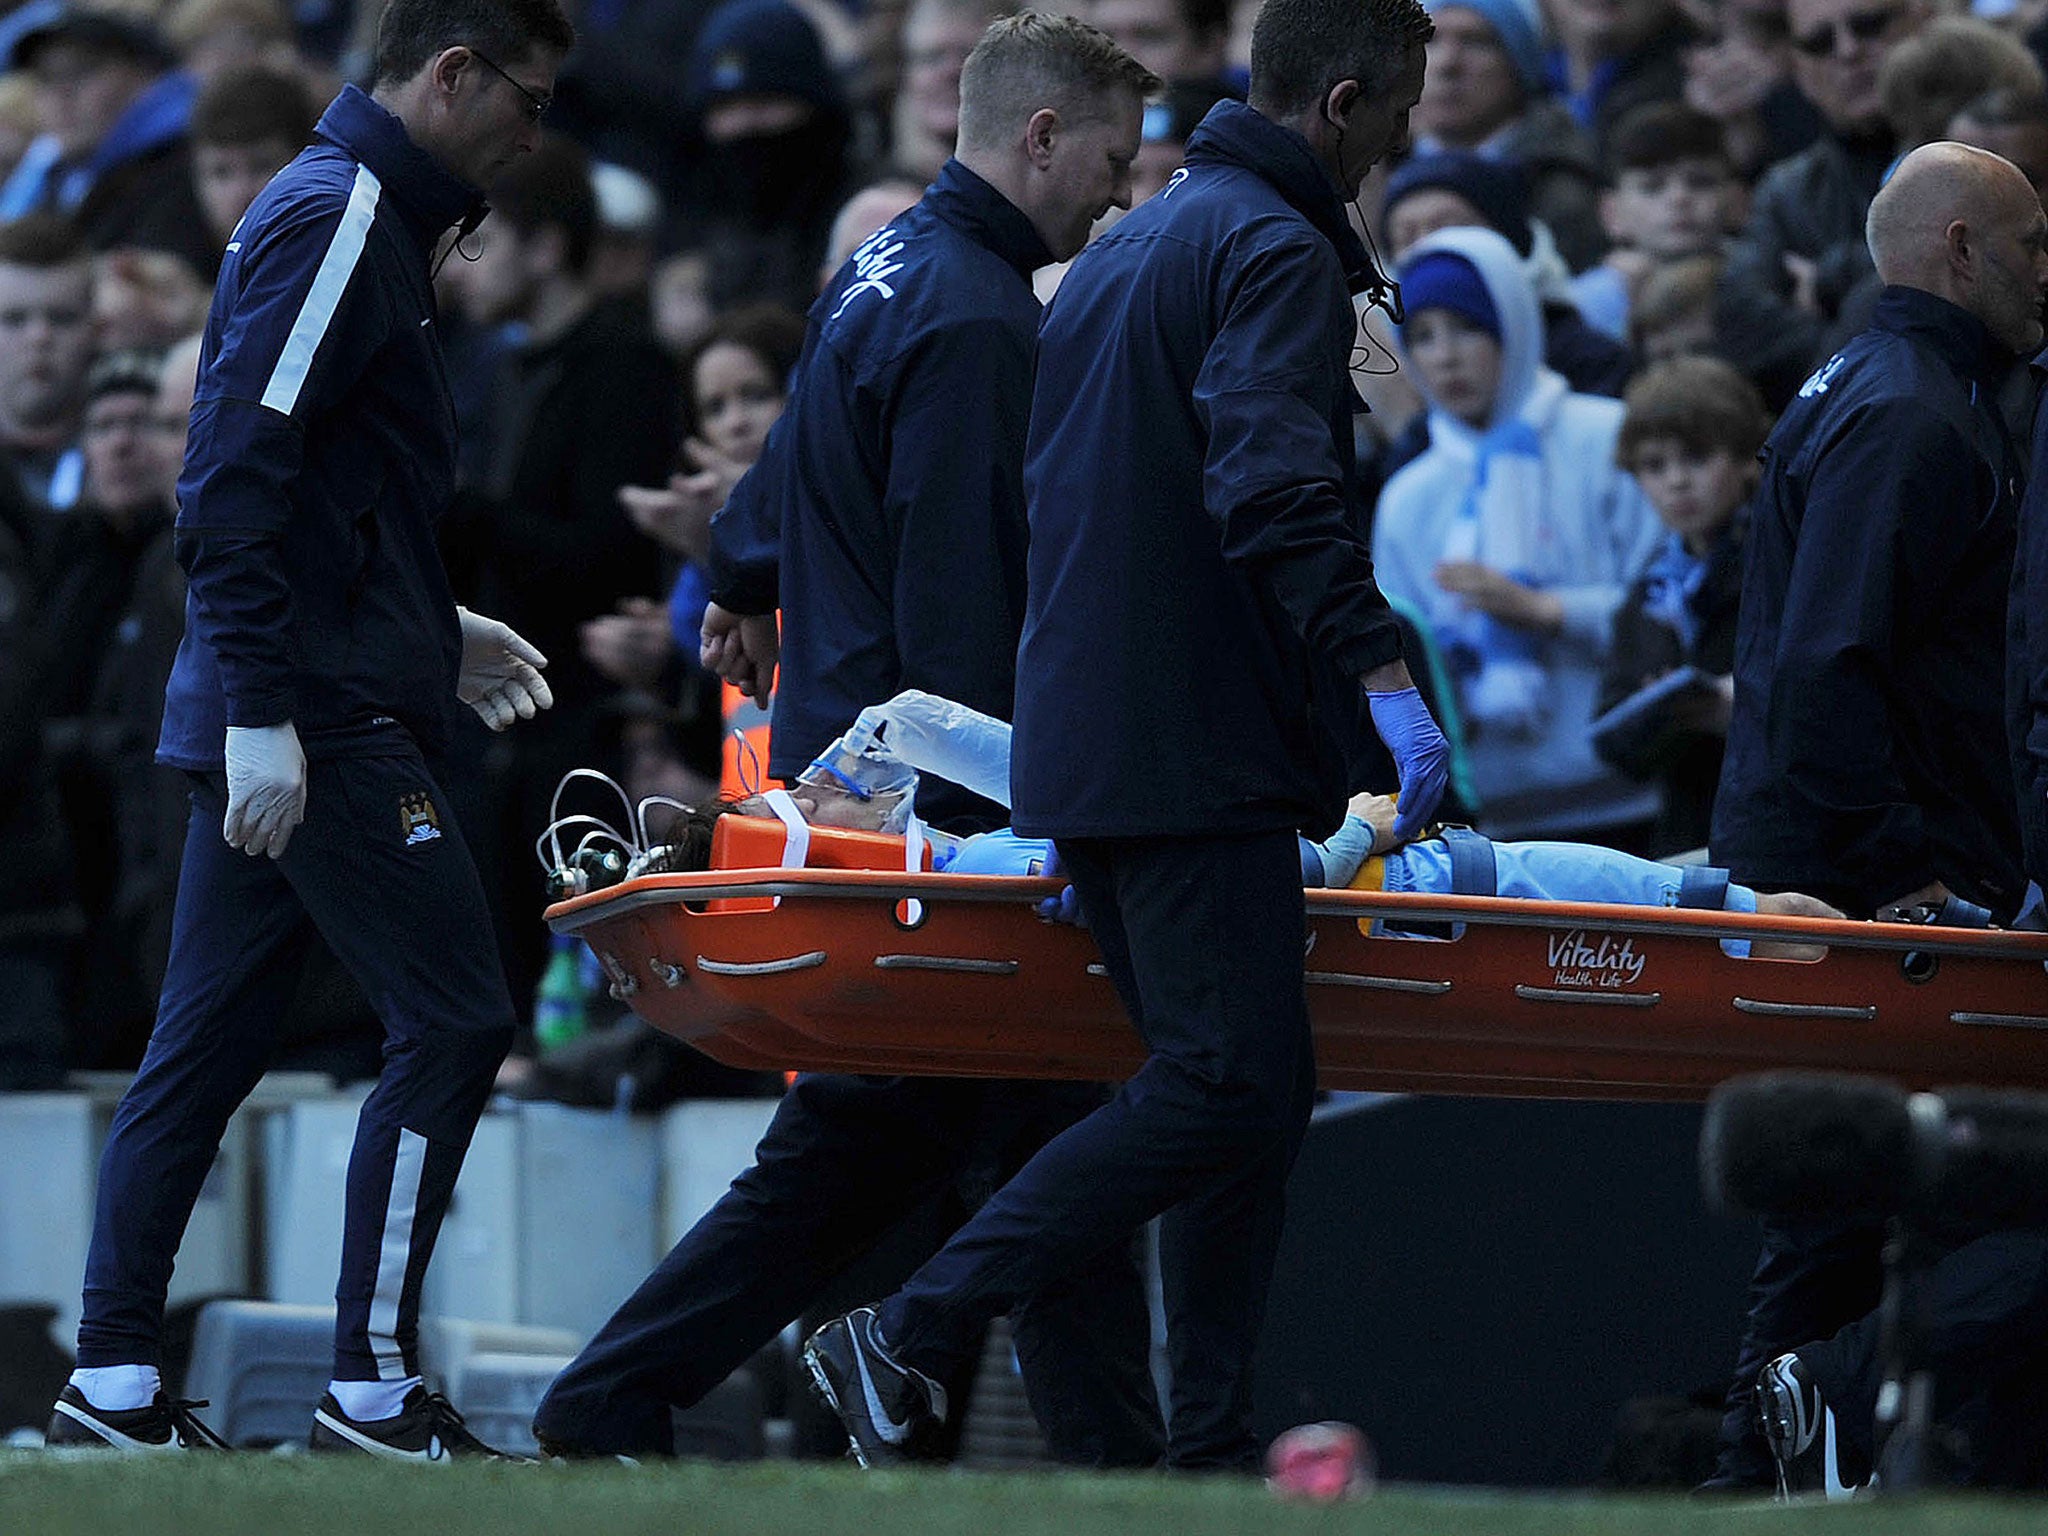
1446 280
1495 187
760 48
1519 26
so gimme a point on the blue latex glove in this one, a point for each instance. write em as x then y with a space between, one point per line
1065 907
1421 755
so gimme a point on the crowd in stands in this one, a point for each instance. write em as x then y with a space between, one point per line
1626 231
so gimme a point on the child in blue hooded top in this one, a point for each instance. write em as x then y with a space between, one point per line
1515 535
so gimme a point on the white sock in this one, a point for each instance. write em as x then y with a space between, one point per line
118 1388
365 1401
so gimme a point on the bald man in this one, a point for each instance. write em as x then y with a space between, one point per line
1865 759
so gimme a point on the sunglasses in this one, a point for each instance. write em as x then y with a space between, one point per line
536 106
1862 27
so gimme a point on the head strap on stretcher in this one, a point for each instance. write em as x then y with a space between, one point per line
796 842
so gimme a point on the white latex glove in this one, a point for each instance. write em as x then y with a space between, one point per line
500 676
266 788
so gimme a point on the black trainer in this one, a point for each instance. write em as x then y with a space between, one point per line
167 1424
427 1428
891 1412
1800 1429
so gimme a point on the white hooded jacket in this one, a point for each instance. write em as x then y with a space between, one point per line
1538 496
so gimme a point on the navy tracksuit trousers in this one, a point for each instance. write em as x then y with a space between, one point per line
380 870
843 1161
1203 938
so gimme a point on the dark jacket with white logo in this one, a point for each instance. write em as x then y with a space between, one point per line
321 453
1867 755
887 511
1193 541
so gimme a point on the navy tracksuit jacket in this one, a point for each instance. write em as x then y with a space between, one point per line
1191 546
321 453
887 511
1867 753
1165 672
1867 758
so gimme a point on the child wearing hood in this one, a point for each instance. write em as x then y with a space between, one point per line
1515 535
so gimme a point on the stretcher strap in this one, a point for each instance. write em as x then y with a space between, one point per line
1703 886
1955 912
913 863
1473 871
796 843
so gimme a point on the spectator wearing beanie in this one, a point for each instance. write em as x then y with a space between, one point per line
112 156
1488 92
1515 536
776 128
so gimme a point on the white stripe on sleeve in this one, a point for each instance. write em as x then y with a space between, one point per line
281 394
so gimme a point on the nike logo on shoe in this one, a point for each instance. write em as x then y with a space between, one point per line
433 1450
892 1430
114 1437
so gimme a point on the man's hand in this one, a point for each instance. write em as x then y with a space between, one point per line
630 646
500 676
1421 755
1381 813
266 788
679 514
1501 596
741 648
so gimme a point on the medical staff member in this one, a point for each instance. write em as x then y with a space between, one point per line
1866 756
1192 548
887 512
311 697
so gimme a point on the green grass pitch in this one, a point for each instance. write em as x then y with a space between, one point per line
295 1496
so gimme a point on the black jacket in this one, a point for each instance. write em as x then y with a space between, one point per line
1810 206
573 419
890 496
1193 541
1867 754
1646 646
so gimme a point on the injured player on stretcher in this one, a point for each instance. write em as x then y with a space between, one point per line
868 781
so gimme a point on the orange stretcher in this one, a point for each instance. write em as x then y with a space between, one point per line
854 964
